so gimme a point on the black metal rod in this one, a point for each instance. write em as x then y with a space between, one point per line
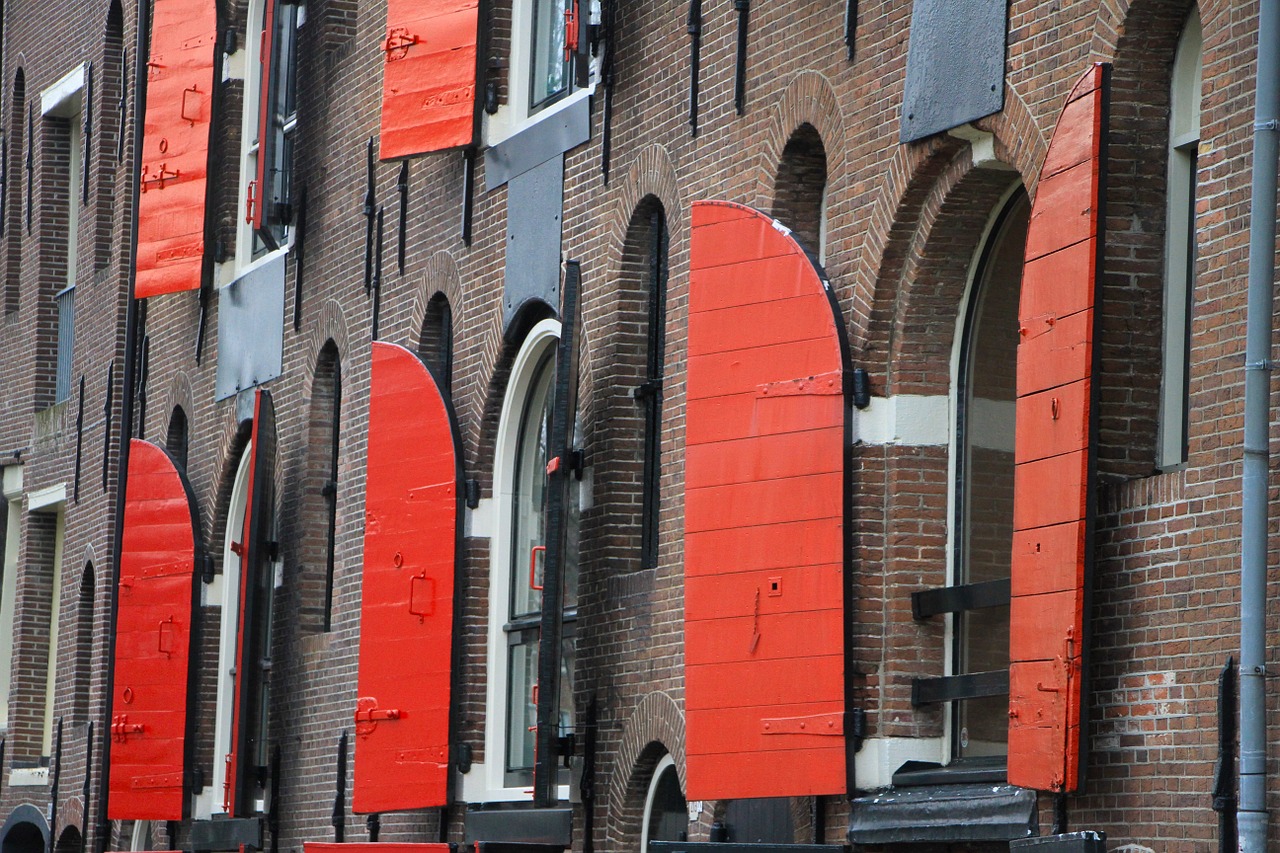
1224 771
75 489
370 216
743 8
85 147
126 418
694 28
468 192
374 824
607 74
377 277
56 770
144 373
31 144
402 186
107 408
850 27
339 819
123 106
86 787
299 257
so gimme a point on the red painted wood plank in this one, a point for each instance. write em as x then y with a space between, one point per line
152 646
733 590
722 418
1038 629
770 457
1054 354
764 508
1077 131
1048 559
175 148
1053 422
768 502
1050 491
742 775
811 542
794 725
406 611
1058 284
1065 210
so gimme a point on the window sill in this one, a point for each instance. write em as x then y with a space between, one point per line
959 772
29 777
476 790
504 124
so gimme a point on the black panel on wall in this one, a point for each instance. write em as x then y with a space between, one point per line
955 65
535 201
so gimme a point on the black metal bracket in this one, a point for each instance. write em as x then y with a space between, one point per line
370 216
468 193
402 187
694 27
949 688
377 275
850 27
743 8
299 258
959 598
472 493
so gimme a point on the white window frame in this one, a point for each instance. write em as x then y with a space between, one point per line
51 502
666 762
249 143
485 782
1186 93
516 115
12 493
954 449
227 592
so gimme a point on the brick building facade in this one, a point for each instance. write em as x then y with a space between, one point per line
905 169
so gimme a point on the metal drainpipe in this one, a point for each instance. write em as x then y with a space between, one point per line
1252 811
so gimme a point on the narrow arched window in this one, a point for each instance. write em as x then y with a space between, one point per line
176 439
435 346
800 192
84 647
1185 93
15 155
110 118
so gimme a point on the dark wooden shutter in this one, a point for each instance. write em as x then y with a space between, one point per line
175 147
766 499
406 608
150 726
1054 463
429 76
257 585
564 408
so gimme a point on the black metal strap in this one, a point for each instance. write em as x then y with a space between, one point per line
402 186
959 598
370 216
850 27
694 27
743 8
299 257
468 192
949 688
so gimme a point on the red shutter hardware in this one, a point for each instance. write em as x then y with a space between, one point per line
1053 449
765 505
157 594
570 31
267 95
406 608
429 76
175 148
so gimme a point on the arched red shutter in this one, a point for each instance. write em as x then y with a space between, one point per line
406 609
175 147
157 595
766 497
257 587
429 76
1054 464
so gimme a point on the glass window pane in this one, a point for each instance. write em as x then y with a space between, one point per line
550 73
522 711
529 510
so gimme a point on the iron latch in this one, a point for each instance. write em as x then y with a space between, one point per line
368 715
121 728
398 42
162 175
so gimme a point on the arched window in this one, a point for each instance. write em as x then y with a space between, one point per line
666 814
110 117
800 194
516 570
320 495
84 647
435 346
984 463
176 439
1180 240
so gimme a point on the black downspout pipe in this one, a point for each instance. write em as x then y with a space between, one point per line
142 51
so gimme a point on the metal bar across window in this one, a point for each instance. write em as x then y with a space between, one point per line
949 688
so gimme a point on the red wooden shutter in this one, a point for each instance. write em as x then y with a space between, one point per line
257 584
766 498
175 147
406 608
1054 465
149 722
429 76
268 92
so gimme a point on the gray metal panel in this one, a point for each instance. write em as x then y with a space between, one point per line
226 834
955 65
944 813
526 826
251 329
534 204
1071 842
536 144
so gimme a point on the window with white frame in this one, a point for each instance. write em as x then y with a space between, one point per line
1185 93
666 814
270 120
550 62
12 532
517 565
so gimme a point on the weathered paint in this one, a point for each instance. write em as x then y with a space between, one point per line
175 147
765 502
406 608
429 76
1053 450
153 640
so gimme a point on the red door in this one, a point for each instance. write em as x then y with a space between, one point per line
766 498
